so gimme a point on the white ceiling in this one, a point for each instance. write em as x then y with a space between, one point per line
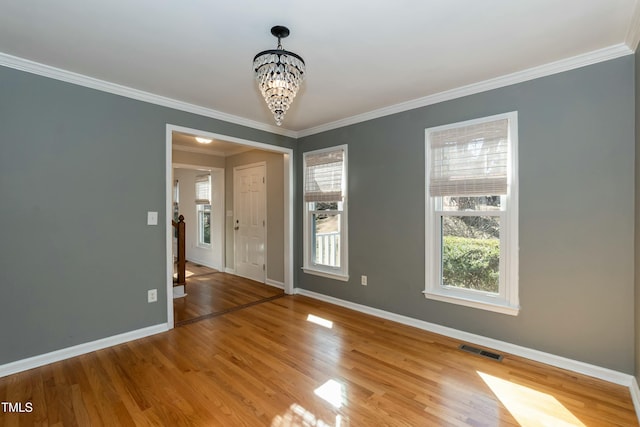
361 55
187 142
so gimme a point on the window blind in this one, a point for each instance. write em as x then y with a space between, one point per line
470 160
324 172
203 189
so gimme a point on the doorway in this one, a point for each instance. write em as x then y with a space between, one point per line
204 216
286 228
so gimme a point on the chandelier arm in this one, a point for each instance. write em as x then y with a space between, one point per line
279 52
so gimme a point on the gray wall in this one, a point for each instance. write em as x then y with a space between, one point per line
79 169
576 170
275 208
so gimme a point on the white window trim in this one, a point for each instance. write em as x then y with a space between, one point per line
341 273
507 302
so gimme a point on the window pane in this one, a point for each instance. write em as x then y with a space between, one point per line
471 252
206 227
325 206
204 224
481 203
326 239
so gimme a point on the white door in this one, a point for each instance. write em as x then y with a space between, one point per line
250 221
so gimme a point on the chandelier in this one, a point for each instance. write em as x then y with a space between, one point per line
279 74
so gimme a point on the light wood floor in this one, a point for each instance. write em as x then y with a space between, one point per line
210 292
272 364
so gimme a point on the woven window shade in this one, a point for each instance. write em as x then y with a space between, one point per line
324 173
203 190
470 160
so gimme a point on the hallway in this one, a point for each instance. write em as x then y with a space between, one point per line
211 293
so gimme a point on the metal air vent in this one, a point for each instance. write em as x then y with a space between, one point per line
480 352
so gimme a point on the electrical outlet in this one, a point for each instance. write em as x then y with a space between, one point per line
363 280
152 295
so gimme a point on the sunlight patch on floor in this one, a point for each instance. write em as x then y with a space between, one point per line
333 392
299 416
320 321
528 406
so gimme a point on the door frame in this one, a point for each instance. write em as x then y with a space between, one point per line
264 207
288 205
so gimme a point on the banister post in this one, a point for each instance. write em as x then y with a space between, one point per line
182 261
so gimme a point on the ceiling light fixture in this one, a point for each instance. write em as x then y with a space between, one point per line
203 140
279 74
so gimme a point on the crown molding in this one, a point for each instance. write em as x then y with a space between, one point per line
633 33
551 68
32 67
601 55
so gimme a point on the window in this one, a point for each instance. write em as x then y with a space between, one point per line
203 209
472 213
325 213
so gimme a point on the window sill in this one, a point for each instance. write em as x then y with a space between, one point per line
327 274
499 306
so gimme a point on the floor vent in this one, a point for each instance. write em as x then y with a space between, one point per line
480 352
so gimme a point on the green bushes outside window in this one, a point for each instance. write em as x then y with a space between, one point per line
471 263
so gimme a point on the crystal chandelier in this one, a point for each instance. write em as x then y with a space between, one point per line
279 74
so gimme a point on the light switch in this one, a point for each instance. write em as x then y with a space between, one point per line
152 218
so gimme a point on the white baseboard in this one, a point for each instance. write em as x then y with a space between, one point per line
203 263
635 396
178 292
535 355
274 283
77 350
230 270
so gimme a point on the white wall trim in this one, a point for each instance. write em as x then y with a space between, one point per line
204 263
93 83
535 355
633 33
562 65
77 350
274 283
635 396
229 270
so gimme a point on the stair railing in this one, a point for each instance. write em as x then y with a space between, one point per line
181 258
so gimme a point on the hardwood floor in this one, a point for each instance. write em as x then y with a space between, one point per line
275 364
210 292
